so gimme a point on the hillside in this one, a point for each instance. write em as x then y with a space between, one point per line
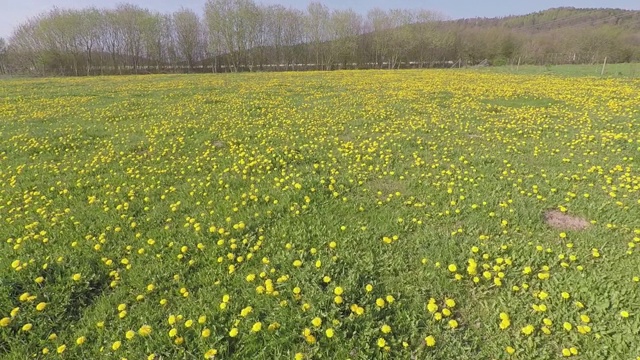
554 36
559 18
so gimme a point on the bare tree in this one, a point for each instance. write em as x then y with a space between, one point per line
317 26
189 36
3 56
346 26
293 36
130 20
222 21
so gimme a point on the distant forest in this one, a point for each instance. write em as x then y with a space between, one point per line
242 35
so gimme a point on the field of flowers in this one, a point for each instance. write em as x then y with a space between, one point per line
343 215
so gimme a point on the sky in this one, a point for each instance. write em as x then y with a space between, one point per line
14 12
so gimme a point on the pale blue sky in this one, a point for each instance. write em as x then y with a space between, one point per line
13 12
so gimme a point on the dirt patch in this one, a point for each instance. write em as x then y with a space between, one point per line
218 144
559 220
387 186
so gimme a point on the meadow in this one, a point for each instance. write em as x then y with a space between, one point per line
320 215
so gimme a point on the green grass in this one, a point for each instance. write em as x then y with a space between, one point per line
352 197
628 70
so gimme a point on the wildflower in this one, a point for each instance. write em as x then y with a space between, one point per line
528 330
430 341
210 354
316 322
256 327
144 330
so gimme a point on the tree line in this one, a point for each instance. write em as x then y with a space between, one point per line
242 35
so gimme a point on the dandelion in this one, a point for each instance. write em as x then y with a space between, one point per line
432 307
246 311
528 330
145 330
317 322
430 341
210 354
256 327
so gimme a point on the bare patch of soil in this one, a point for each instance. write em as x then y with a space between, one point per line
387 186
559 220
